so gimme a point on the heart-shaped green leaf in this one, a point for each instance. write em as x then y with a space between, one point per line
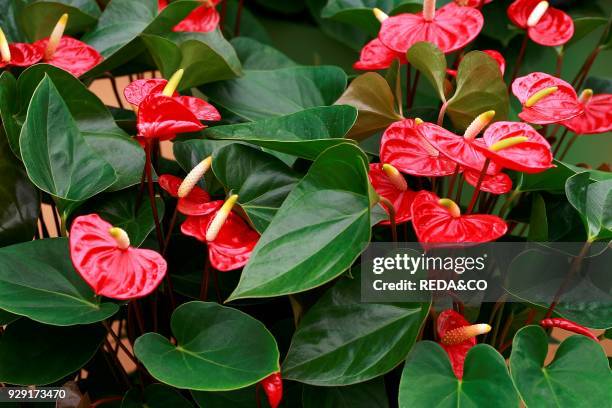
38 280
480 88
39 17
211 355
261 181
429 381
578 376
538 226
583 26
266 94
9 20
430 61
155 396
593 201
255 55
205 57
46 353
319 231
371 394
327 348
304 134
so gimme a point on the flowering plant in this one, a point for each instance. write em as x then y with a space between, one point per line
189 188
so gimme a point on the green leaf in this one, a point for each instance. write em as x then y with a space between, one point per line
155 396
328 347
429 381
283 6
593 201
19 199
205 57
39 17
370 94
46 353
250 26
9 20
241 398
261 181
371 394
304 134
60 163
321 228
8 110
578 376
496 24
7 318
599 85
226 349
480 88
37 280
255 55
538 225
266 94
430 61
342 32
584 26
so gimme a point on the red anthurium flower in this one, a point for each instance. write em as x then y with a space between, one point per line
190 201
457 337
499 183
202 19
68 53
517 146
597 115
376 56
273 387
404 148
390 184
496 55
450 28
18 54
546 99
568 325
545 25
472 3
104 258
438 220
462 150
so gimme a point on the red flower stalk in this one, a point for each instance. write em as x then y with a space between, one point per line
102 255
18 54
390 184
438 220
403 147
204 18
457 337
546 99
68 53
273 387
375 55
496 55
596 117
568 325
450 28
545 25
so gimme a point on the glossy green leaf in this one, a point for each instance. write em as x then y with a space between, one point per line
261 181
538 225
319 231
205 57
480 88
266 94
39 17
255 55
370 94
155 396
9 20
8 110
584 26
371 394
46 353
578 376
346 34
304 134
250 26
7 318
37 280
430 61
599 85
429 381
211 355
329 345
593 201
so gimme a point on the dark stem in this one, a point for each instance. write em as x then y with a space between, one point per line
459 189
117 363
586 67
519 60
568 147
215 275
441 114
415 84
238 18
113 82
560 142
391 210
120 343
205 280
408 84
141 189
476 194
138 315
223 13
169 231
559 64
149 172
453 180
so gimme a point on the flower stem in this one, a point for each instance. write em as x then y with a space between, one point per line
238 18
474 199
151 189
442 113
391 210
560 142
519 60
113 82
408 84
205 280
586 67
120 343
415 84
169 231
568 147
453 180
559 64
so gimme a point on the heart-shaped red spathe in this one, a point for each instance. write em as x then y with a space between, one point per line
450 320
162 117
23 55
401 200
376 56
554 28
472 3
72 55
596 118
433 223
451 29
532 156
457 148
404 148
496 55
273 387
561 105
192 203
111 271
202 19
499 183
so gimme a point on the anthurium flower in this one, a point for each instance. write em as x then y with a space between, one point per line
545 25
472 3
457 336
496 55
18 54
438 220
376 56
390 184
499 183
68 53
567 325
546 99
102 255
596 117
517 146
195 198
450 28
203 18
273 387
404 148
